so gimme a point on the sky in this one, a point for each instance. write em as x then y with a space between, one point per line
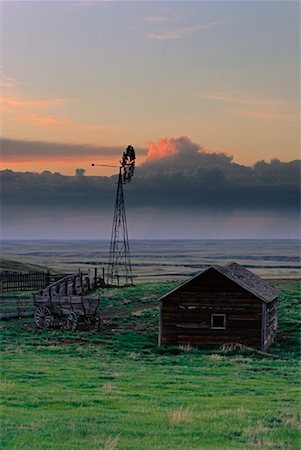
216 83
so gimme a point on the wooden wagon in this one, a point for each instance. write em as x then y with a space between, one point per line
66 311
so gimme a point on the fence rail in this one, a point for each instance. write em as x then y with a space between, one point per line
15 306
14 281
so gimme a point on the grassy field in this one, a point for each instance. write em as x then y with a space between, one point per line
156 260
115 389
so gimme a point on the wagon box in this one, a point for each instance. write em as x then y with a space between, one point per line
69 310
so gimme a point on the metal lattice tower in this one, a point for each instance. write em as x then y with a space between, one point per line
119 264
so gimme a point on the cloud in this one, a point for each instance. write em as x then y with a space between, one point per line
8 82
66 124
183 179
256 108
181 153
44 114
182 32
265 115
181 192
187 176
30 104
166 147
14 151
241 100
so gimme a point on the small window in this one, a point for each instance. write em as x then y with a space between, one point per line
218 321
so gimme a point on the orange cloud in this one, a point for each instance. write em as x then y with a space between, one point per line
160 149
35 119
32 104
36 113
167 147
52 121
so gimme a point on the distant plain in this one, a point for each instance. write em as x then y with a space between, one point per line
157 259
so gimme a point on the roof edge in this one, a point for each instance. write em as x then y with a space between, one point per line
226 271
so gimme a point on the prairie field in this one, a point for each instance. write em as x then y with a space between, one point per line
115 389
156 260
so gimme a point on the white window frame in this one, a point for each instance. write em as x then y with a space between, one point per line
218 315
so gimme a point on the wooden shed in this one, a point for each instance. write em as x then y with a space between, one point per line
222 304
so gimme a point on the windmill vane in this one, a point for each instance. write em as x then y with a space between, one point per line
128 163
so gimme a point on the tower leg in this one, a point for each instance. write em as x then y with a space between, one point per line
119 264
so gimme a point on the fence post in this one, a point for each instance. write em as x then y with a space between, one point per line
95 277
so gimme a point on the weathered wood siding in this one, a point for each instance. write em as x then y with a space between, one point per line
270 324
186 313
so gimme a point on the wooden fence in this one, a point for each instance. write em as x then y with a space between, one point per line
14 281
78 284
15 306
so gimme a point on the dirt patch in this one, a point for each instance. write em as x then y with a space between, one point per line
75 342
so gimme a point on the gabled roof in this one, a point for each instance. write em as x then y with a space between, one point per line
242 277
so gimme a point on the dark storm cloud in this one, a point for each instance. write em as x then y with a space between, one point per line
187 179
193 178
55 190
14 150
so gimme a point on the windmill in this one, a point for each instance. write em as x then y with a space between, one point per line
119 264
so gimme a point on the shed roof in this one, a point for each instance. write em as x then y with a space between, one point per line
242 277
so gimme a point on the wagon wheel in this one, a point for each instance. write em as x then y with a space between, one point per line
71 321
98 321
43 317
88 322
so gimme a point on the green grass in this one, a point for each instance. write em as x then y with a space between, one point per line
116 390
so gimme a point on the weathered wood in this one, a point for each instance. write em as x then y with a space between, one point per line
17 281
70 308
15 306
185 314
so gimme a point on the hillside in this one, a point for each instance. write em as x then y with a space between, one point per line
20 266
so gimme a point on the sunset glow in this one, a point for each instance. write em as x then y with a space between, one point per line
91 91
206 92
160 149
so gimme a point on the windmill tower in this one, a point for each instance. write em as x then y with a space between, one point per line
119 265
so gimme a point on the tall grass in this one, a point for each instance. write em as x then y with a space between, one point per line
112 443
180 415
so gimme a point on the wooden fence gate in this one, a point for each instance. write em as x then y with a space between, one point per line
14 281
